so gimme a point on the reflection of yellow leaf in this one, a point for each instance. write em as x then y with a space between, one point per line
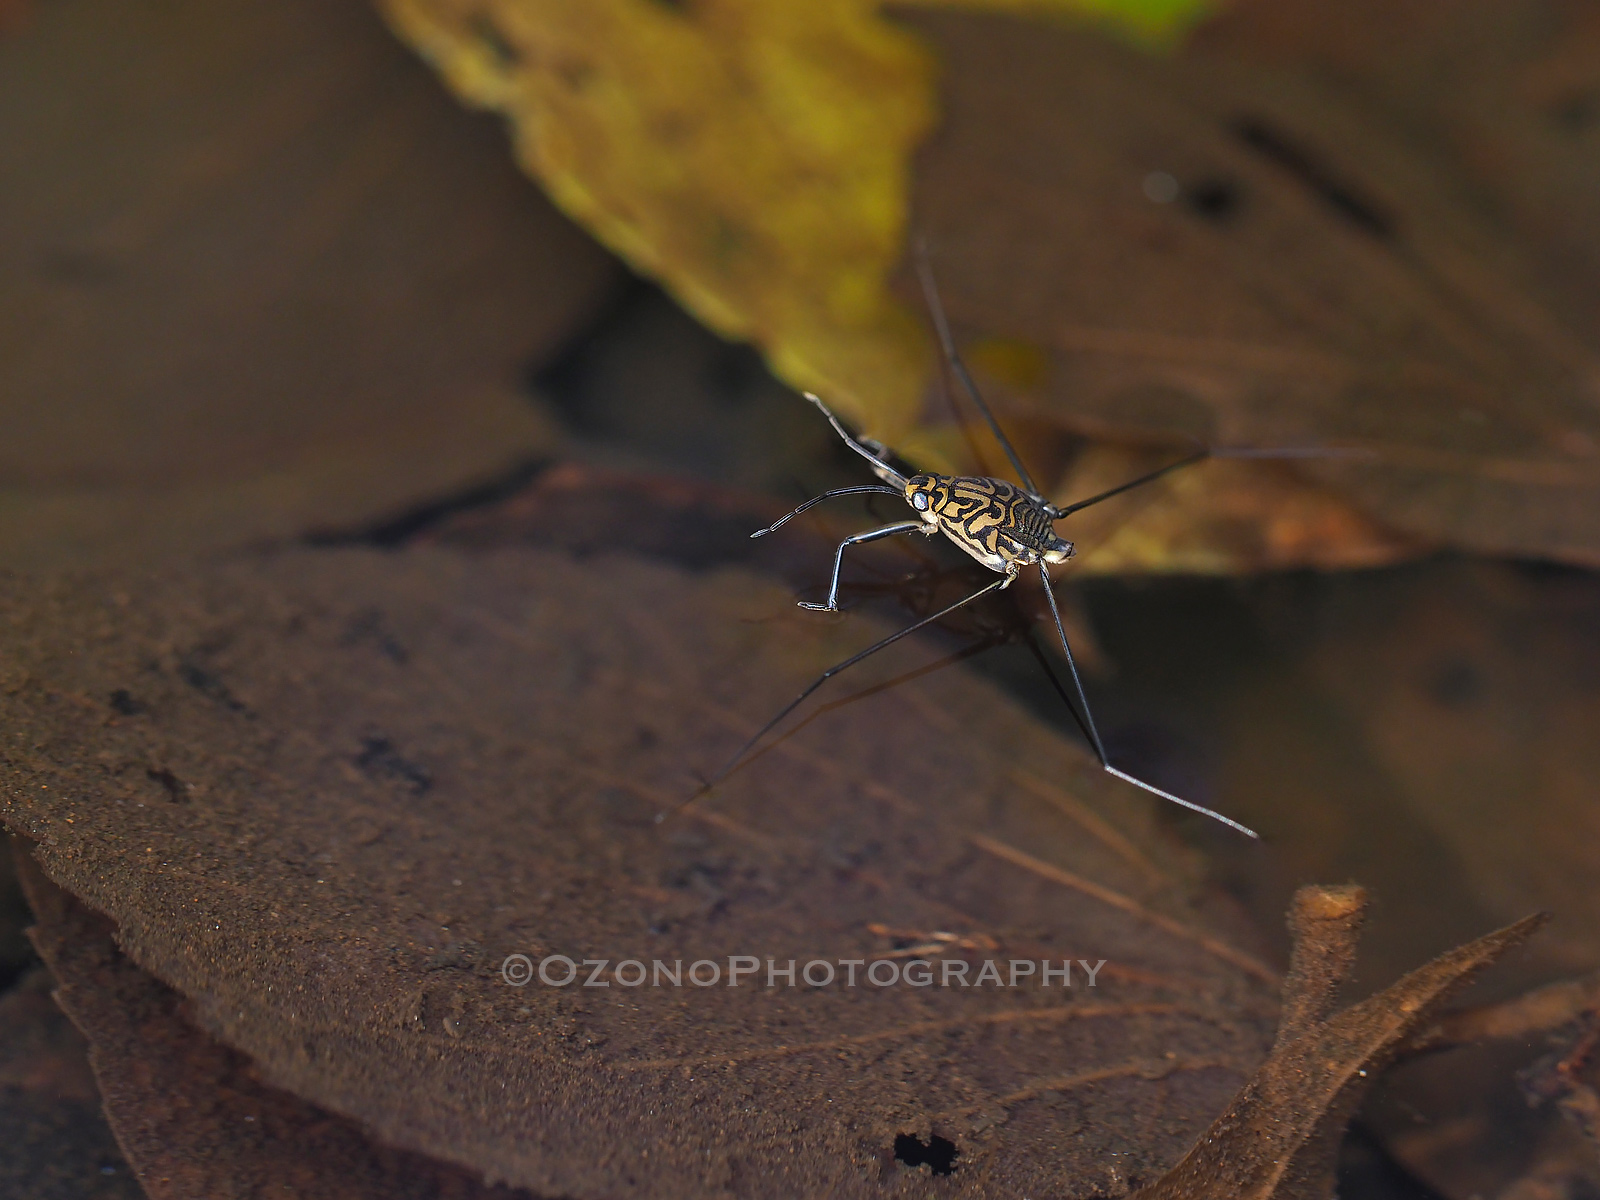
752 154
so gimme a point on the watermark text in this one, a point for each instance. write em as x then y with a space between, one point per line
748 970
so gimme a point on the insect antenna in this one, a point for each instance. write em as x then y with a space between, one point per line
1087 724
873 452
744 751
930 295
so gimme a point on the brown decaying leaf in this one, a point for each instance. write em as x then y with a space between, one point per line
324 793
1559 1157
1502 95
191 1114
586 510
1462 697
258 275
1280 1137
1437 721
1311 281
1566 1077
15 953
55 1139
1471 1151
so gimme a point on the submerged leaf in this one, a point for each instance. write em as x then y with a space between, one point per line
1508 94
257 275
355 782
1197 249
57 1146
1450 702
1279 1140
1437 722
193 1117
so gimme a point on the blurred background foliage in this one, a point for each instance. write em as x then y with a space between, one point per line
756 157
1214 244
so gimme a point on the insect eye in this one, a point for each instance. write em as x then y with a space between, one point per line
920 502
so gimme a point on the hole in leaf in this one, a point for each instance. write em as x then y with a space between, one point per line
176 788
938 1153
1213 199
380 760
1455 683
124 703
208 683
1576 111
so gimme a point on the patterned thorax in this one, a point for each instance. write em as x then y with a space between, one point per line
997 523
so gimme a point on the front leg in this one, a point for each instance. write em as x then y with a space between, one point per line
870 535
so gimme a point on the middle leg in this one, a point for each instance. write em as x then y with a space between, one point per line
870 535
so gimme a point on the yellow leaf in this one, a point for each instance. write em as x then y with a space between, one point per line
753 155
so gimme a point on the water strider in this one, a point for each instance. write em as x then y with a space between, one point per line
1007 528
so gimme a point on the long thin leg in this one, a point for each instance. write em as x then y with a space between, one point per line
1055 682
871 535
947 391
1291 452
883 643
845 491
930 293
1190 460
1094 734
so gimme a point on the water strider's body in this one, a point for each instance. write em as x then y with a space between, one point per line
1005 527
996 522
